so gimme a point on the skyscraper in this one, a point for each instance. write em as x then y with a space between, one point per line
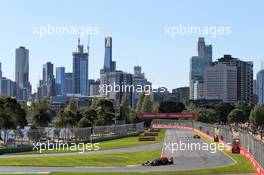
48 82
109 65
260 86
60 80
80 71
47 72
197 67
204 50
244 77
22 73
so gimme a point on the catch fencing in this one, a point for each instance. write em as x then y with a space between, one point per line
225 133
252 145
28 136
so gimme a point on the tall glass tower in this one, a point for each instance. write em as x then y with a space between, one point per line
80 71
108 55
109 65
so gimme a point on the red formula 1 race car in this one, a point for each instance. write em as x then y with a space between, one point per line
158 162
236 146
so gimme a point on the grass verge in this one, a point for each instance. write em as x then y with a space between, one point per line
111 144
105 160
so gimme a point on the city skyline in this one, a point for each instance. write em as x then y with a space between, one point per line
132 44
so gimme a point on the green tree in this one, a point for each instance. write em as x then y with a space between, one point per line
169 106
66 119
140 103
257 116
41 113
156 107
91 115
84 122
236 116
147 106
246 108
12 115
105 112
222 111
125 108
72 105
134 117
206 115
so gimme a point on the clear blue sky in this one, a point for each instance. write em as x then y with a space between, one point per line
137 28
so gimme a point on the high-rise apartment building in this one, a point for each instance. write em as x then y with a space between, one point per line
244 77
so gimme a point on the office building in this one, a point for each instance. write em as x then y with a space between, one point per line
161 94
181 94
244 77
220 83
94 87
80 71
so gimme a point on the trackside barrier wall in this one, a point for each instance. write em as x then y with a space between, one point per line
205 128
120 130
251 148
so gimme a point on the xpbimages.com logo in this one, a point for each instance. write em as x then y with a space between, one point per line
191 146
50 30
190 30
56 146
105 89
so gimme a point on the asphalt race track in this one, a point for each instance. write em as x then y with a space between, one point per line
183 159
